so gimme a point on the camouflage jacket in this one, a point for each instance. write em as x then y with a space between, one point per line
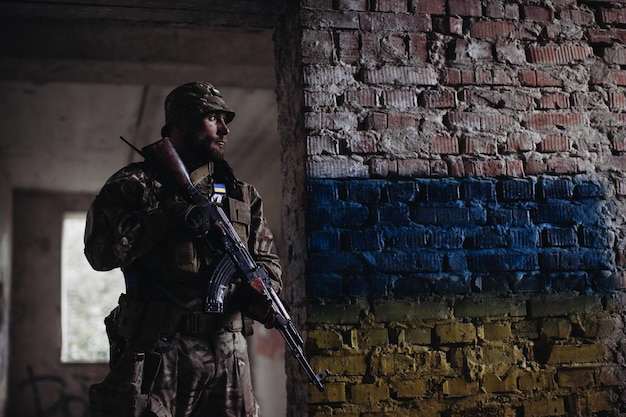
127 227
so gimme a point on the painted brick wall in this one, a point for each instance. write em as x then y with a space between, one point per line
461 205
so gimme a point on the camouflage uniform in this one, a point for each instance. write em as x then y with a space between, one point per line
167 357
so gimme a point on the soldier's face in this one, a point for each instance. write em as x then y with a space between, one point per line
207 139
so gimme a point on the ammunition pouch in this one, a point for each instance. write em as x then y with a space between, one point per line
144 323
126 389
133 329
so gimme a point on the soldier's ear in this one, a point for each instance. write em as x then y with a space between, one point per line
176 128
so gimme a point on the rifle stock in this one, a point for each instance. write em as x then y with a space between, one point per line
237 258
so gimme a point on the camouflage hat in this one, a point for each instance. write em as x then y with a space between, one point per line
194 99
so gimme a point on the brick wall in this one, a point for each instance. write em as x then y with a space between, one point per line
463 202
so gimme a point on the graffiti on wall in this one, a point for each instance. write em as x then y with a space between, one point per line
53 396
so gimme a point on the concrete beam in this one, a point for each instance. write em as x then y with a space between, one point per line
121 53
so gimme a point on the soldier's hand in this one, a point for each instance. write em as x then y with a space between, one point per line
197 220
257 306
193 218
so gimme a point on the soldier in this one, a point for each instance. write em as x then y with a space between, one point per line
168 357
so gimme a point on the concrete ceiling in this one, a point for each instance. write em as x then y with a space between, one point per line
75 78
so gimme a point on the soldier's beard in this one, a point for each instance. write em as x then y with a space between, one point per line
215 151
202 149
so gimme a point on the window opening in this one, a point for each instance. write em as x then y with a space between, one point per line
87 296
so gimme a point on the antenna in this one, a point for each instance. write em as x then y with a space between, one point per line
132 146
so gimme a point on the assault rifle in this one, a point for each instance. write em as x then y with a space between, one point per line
236 259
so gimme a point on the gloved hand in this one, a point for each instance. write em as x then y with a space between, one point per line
193 218
256 305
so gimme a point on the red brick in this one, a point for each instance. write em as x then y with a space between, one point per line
511 11
615 55
392 6
418 46
620 189
577 16
465 7
454 26
382 167
618 143
534 166
548 79
438 168
612 16
465 120
413 167
324 75
562 4
532 78
312 121
607 36
515 168
364 97
493 122
554 101
560 165
316 145
520 142
363 142
456 167
619 118
551 120
494 10
317 46
401 75
490 168
342 19
478 145
600 36
429 6
501 77
400 98
359 5
617 101
444 145
554 143
438 99
493 29
318 99
340 120
618 77
617 163
452 76
376 121
537 13
468 77
370 46
400 121
394 22
485 122
528 78
562 54
395 46
348 47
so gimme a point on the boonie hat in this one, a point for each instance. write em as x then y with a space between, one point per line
192 99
